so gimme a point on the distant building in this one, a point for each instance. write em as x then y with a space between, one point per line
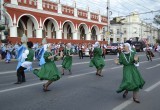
132 26
40 18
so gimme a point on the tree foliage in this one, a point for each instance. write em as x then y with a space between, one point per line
158 41
2 27
157 19
6 32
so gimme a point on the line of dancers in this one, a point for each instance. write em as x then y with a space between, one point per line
132 79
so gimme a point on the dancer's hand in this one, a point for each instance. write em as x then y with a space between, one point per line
116 61
136 58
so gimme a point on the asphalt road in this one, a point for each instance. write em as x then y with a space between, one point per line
82 90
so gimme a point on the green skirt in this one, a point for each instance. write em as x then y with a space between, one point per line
67 62
97 62
132 79
48 71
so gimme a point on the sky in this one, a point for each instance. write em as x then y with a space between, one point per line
120 7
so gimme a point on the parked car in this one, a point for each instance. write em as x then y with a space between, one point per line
113 48
86 52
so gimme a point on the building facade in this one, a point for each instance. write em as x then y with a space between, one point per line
130 27
39 18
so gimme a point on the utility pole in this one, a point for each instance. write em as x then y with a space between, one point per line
108 18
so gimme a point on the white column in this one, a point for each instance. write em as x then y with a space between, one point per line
14 2
39 33
13 31
75 36
29 29
49 30
88 37
99 37
89 15
59 34
2 8
3 37
59 8
75 12
99 18
49 33
39 4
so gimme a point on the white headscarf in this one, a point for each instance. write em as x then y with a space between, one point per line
69 45
129 47
46 46
44 41
24 39
96 45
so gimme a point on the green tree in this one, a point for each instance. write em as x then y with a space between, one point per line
6 33
157 19
2 28
158 41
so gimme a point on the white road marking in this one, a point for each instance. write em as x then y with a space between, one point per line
9 72
116 67
152 87
123 105
81 74
6 72
20 87
141 55
153 66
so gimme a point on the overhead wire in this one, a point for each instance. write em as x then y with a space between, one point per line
97 4
123 5
140 5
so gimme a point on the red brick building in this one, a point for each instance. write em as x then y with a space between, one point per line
39 18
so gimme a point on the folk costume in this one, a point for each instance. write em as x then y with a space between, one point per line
42 51
67 60
48 71
21 50
97 59
132 79
26 63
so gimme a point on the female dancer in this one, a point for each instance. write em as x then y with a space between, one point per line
132 80
67 61
42 51
97 59
26 59
21 49
48 71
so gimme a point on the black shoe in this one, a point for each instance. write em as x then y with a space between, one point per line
125 94
99 75
44 89
23 81
135 100
62 73
18 83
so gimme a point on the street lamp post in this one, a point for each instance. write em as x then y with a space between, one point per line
108 18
